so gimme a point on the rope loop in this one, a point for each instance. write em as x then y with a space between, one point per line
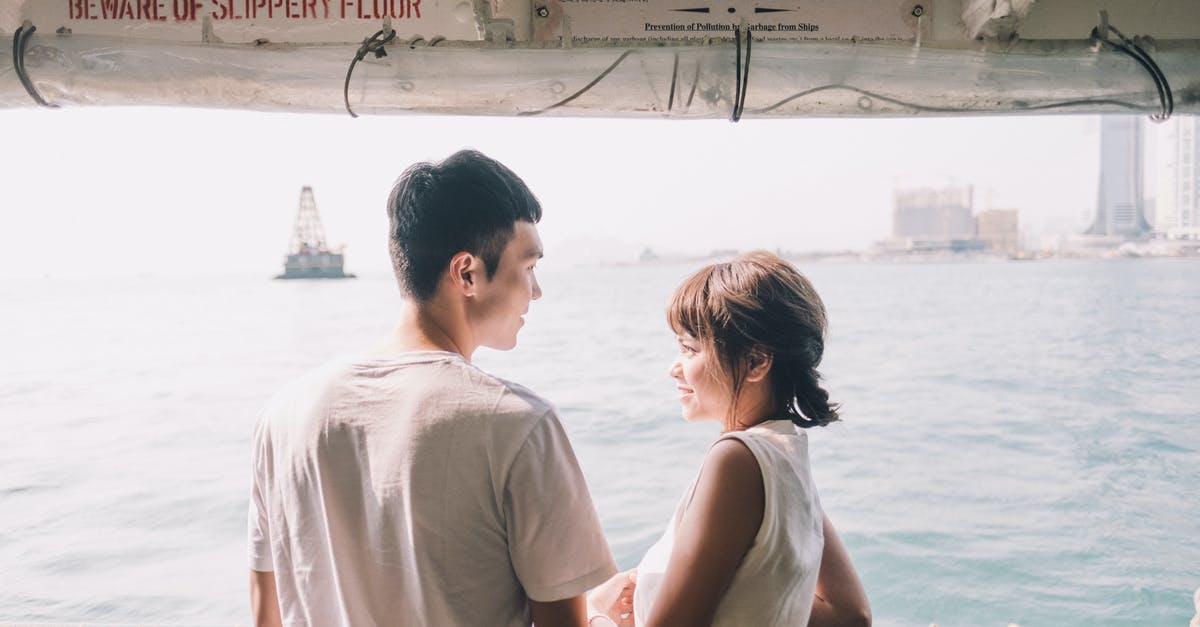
20 44
582 91
373 44
741 73
1129 47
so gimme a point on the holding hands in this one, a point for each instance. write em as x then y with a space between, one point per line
611 603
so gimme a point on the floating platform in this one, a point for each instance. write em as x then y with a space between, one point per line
314 265
308 256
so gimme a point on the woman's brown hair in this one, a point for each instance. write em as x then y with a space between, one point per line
759 302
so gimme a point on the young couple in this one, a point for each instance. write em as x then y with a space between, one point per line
409 487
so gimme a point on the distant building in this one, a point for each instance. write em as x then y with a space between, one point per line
1178 197
997 230
648 255
934 219
1119 211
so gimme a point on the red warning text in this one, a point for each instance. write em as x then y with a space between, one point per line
234 10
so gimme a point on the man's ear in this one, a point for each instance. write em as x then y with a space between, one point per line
758 364
464 273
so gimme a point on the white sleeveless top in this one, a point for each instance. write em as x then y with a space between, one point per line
775 583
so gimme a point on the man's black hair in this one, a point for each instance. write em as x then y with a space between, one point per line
468 202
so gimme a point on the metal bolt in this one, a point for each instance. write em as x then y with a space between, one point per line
543 12
918 11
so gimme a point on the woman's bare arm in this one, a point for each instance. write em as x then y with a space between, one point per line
264 601
841 600
717 529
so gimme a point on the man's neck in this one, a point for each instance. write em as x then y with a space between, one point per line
430 326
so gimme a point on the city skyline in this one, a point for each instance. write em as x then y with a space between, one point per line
123 191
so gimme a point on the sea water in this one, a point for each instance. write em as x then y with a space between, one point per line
1020 441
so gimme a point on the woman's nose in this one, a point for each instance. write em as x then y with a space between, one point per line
676 370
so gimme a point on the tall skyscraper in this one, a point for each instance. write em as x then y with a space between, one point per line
1119 211
1178 197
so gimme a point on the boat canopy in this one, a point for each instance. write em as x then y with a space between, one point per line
675 59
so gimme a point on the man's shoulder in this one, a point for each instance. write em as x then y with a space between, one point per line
516 398
470 388
437 384
304 390
505 410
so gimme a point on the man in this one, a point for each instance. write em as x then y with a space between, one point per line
409 487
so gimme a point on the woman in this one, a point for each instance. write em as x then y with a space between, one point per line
749 543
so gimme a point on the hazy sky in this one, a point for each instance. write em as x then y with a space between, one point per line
167 191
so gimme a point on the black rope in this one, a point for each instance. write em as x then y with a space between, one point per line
674 77
375 44
737 75
741 77
581 91
745 75
695 83
20 43
934 109
1130 48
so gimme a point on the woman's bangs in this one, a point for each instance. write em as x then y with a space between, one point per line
689 311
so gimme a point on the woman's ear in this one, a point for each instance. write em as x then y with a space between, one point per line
758 364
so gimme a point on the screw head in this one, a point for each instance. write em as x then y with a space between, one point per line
543 12
918 11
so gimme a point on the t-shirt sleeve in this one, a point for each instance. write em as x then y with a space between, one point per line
258 531
555 541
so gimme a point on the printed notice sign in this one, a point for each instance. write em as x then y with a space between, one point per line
863 20
240 21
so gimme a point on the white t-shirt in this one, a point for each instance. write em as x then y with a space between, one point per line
776 580
418 490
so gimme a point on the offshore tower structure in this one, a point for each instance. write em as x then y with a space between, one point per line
308 256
